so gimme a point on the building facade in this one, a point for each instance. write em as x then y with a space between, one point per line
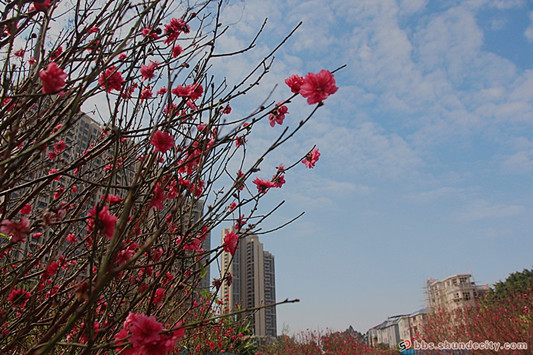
453 292
387 332
411 326
397 328
253 283
270 294
84 132
449 294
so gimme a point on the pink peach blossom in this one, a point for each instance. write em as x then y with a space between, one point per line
317 87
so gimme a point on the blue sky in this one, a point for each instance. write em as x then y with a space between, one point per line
426 149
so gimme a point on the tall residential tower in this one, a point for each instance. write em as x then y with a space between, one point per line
253 284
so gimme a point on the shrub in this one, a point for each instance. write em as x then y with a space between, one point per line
104 223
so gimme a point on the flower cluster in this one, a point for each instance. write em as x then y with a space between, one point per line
100 216
315 342
278 114
147 71
311 158
162 141
314 87
18 297
146 336
193 91
111 79
17 230
52 78
230 242
175 28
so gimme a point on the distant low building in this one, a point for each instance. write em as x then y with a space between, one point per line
387 332
396 329
411 326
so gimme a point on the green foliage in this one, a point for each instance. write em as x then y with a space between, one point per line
383 346
355 333
516 283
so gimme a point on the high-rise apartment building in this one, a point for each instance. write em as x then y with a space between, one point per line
253 285
85 132
270 293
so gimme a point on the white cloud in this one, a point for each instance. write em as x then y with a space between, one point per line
440 78
482 209
529 30
412 6
496 233
521 161
435 195
508 4
522 89
451 41
315 35
315 185
365 149
405 89
497 24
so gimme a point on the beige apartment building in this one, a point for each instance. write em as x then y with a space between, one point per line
254 285
453 292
